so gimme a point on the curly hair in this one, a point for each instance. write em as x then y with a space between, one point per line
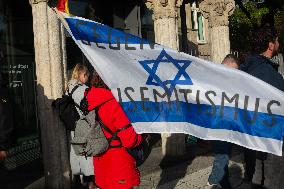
97 81
261 37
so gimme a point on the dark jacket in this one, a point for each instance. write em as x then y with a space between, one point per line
6 120
264 69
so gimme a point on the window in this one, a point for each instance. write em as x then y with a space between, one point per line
147 24
200 36
197 21
17 65
17 68
194 20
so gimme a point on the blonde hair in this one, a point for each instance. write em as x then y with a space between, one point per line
79 69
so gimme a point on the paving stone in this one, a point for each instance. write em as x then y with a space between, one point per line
196 180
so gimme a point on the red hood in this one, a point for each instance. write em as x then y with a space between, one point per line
97 96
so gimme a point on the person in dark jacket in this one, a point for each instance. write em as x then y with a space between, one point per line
265 45
6 121
264 169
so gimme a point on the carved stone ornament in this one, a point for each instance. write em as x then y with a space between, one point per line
217 11
37 1
164 3
163 8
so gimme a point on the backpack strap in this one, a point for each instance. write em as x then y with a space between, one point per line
114 135
124 128
72 91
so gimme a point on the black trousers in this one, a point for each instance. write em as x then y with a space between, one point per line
250 159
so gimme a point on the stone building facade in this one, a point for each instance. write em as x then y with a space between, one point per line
197 30
198 27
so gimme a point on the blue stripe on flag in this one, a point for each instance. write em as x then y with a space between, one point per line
99 33
196 114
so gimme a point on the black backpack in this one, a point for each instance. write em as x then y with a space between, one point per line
66 108
139 153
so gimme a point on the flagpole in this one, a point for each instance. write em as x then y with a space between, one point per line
61 17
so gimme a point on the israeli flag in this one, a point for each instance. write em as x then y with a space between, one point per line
165 91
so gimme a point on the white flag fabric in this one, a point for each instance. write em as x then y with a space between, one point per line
165 91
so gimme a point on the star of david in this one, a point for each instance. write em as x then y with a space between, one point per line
165 58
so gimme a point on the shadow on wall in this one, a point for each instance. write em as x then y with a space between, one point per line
198 50
171 174
54 143
192 49
236 177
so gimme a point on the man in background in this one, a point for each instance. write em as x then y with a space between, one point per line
264 170
219 176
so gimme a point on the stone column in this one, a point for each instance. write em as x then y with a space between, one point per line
49 51
217 12
166 33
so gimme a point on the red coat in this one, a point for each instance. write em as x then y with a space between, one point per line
114 169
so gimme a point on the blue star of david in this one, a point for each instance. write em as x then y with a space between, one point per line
164 57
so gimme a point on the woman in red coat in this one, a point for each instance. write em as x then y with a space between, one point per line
116 168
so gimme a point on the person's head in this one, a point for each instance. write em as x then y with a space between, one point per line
265 41
80 73
231 61
96 81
